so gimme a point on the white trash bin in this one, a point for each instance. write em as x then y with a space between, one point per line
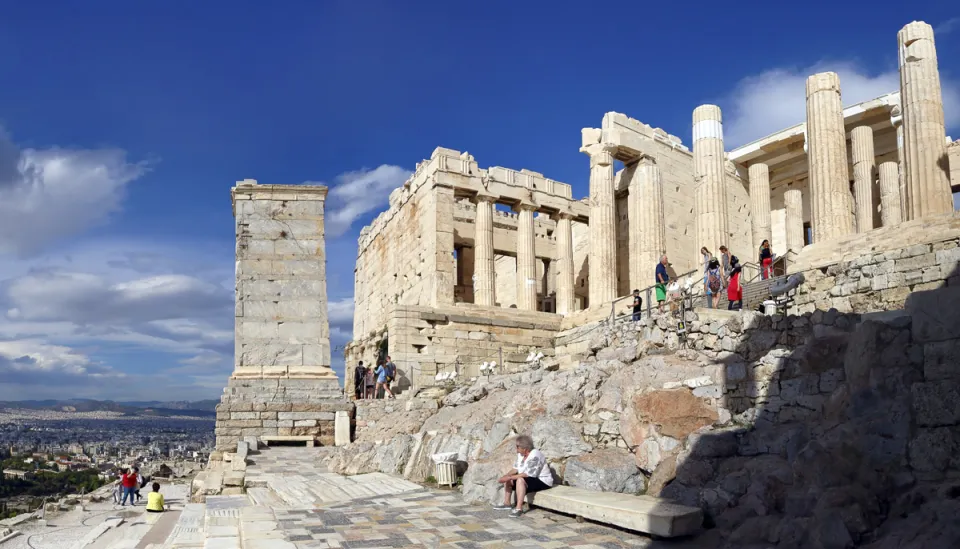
769 307
446 468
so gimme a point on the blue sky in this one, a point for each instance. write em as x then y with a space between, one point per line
125 125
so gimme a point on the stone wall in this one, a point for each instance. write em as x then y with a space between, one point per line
881 281
379 420
272 407
426 341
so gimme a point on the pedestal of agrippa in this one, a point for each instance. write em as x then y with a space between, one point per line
282 383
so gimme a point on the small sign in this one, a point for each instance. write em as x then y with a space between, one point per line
681 327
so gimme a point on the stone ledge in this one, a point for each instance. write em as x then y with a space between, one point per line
646 514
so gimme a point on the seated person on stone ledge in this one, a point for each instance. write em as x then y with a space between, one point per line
155 500
530 474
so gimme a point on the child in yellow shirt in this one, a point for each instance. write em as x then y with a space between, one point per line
155 500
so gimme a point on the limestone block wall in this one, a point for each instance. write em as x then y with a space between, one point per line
406 256
281 314
426 341
882 281
378 420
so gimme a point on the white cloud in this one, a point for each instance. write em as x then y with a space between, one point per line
776 99
946 27
359 192
340 312
46 195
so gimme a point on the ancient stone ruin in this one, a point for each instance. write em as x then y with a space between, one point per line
833 422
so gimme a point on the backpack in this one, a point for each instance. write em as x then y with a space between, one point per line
713 281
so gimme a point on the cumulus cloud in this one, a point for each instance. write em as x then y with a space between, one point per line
46 195
946 27
359 192
31 364
776 99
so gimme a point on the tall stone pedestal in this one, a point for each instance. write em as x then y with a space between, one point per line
282 383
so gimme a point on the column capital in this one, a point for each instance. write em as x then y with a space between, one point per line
485 197
601 154
526 205
896 116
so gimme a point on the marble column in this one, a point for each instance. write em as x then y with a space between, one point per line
526 258
864 166
793 203
710 197
565 276
890 194
645 206
760 203
896 118
603 224
830 199
484 286
924 144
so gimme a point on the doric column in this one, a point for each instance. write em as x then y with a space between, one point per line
890 194
793 203
565 276
710 197
830 197
603 224
484 287
526 258
924 145
864 165
896 118
647 241
760 203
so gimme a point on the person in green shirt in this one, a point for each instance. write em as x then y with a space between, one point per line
155 500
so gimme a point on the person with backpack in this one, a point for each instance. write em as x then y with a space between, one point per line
766 260
384 377
734 288
141 482
714 283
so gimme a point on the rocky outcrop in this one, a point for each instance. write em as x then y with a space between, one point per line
820 430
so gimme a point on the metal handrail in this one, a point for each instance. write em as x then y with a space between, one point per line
646 292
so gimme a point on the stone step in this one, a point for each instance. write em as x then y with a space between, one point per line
264 496
222 521
638 513
188 531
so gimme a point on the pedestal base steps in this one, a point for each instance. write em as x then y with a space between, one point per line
279 407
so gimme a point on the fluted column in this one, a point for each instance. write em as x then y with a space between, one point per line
830 198
647 240
889 194
603 225
864 166
526 259
484 285
565 277
760 203
896 118
710 197
924 144
793 203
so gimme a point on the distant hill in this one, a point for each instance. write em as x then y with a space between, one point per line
200 408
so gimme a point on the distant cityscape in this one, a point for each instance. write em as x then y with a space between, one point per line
43 439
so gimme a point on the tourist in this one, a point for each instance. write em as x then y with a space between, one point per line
369 382
140 483
383 374
129 482
662 279
637 305
530 474
155 500
766 260
725 263
714 283
117 488
734 288
359 373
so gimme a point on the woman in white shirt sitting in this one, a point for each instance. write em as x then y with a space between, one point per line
530 474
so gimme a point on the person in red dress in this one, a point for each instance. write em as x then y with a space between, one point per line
734 288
